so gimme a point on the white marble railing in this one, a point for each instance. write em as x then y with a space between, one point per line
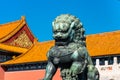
109 72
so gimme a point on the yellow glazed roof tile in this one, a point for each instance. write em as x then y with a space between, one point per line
36 53
12 48
97 45
9 29
104 44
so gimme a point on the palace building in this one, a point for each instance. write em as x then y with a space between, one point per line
22 57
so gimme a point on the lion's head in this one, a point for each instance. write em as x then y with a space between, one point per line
68 28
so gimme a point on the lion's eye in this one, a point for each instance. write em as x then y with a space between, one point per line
64 31
55 32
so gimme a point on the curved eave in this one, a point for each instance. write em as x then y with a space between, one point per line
9 29
37 53
12 48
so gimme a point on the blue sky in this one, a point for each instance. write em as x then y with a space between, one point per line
97 16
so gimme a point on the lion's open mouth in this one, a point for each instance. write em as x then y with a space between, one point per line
62 41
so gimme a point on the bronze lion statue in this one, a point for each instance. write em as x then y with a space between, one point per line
70 53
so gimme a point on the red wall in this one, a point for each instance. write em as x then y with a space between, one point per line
1 73
29 75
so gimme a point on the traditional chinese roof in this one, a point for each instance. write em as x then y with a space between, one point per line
9 29
12 48
97 44
107 43
11 36
37 53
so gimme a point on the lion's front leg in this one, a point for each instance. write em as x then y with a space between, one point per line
50 71
93 73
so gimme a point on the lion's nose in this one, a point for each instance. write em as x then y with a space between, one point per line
58 35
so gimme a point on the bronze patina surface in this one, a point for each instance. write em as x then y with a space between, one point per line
70 53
